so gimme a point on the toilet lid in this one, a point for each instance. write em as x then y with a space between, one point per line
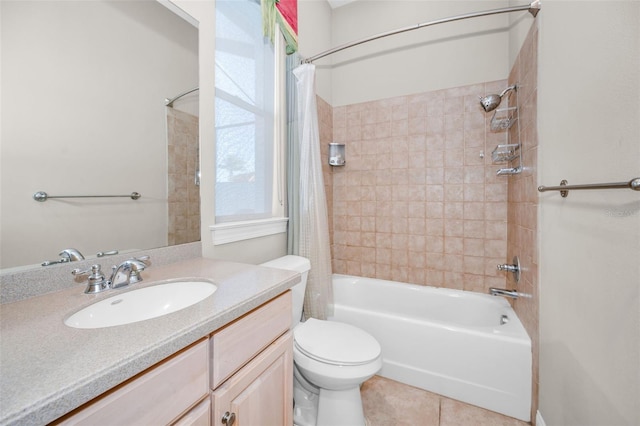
335 342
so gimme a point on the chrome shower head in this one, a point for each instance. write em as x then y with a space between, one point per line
491 102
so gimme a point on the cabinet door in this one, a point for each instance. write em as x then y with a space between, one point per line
261 393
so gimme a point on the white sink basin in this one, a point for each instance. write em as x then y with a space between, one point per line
141 304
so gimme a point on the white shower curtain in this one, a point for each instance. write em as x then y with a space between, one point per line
314 223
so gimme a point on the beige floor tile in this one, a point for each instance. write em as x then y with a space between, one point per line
389 403
455 413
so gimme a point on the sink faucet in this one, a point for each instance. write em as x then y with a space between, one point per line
71 255
66 255
128 272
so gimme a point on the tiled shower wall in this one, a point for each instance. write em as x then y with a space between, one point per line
325 124
418 200
183 193
417 203
523 197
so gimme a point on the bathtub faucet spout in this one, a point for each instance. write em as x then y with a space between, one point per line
503 292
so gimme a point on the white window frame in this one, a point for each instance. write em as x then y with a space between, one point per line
229 232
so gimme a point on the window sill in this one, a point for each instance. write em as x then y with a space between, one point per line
225 233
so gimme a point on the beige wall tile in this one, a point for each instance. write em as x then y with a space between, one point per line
183 195
523 198
431 200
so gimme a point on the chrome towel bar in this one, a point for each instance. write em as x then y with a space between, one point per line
42 196
564 189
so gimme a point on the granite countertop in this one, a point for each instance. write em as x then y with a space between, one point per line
47 369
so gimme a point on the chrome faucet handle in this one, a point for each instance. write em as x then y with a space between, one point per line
96 281
514 269
144 259
54 262
508 268
106 253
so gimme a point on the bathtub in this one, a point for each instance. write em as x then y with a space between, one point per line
463 345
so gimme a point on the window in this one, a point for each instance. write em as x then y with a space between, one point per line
245 92
248 190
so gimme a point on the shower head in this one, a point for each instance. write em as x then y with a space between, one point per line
491 102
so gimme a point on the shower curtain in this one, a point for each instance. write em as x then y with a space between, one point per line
293 157
313 239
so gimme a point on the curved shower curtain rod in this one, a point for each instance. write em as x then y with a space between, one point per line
169 102
533 8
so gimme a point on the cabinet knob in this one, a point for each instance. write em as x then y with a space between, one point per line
229 418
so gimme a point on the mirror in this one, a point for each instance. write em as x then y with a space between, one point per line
83 113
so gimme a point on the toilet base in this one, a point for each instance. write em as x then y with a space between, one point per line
305 404
339 408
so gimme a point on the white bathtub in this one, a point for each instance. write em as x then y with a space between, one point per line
467 346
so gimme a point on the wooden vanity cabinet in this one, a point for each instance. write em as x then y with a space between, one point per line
157 396
244 369
200 415
252 368
260 394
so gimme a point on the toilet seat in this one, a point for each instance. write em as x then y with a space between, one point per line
335 343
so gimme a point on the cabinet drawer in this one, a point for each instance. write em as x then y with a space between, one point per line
200 415
157 396
235 345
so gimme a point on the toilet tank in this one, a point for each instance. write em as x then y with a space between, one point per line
302 266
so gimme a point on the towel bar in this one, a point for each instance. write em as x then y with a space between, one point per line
42 196
564 189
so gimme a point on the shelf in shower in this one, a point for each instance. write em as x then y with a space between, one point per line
505 153
503 119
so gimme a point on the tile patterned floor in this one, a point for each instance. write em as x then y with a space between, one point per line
389 403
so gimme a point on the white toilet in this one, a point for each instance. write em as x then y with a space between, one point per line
331 361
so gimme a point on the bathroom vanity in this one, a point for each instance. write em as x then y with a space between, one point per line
227 356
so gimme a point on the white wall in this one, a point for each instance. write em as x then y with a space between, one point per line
442 56
589 128
83 113
314 27
519 25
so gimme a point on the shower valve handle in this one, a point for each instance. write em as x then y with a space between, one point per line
508 268
514 268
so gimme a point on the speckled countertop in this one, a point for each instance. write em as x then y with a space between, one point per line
47 369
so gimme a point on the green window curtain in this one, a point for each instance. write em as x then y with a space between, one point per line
284 13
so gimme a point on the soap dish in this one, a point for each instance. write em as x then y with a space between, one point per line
503 119
505 153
